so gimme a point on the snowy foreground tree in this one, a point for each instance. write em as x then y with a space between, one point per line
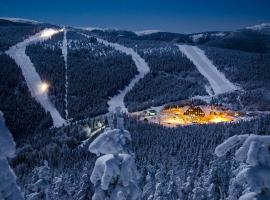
115 174
8 187
255 154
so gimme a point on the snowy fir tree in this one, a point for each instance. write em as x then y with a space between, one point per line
254 153
149 187
41 179
186 190
60 188
115 174
8 187
160 178
85 192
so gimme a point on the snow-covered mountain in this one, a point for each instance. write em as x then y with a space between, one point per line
202 37
259 27
19 20
59 84
146 32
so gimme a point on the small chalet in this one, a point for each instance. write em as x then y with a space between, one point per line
195 111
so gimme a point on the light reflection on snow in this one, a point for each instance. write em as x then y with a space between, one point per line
43 88
49 32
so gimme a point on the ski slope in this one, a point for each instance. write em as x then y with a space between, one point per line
64 52
32 78
142 67
217 80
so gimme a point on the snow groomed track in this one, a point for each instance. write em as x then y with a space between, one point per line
219 83
32 78
142 67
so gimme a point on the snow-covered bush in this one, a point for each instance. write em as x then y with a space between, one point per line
254 152
8 186
115 174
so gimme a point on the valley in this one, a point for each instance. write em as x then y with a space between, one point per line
156 103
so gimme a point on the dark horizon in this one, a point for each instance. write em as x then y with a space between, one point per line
173 16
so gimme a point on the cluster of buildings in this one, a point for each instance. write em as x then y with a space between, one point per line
187 115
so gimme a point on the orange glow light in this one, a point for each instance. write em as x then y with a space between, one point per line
43 87
175 116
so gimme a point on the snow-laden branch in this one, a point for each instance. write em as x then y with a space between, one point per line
254 152
111 141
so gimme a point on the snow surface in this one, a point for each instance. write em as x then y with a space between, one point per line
146 32
7 145
254 152
259 27
8 186
198 36
20 20
217 80
142 67
111 141
32 78
99 29
64 52
230 143
218 34
122 168
115 175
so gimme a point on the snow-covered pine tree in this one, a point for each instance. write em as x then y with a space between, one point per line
58 189
110 121
171 186
41 179
8 187
85 192
236 188
115 174
198 192
254 152
160 178
186 189
149 187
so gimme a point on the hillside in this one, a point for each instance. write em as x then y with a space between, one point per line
58 84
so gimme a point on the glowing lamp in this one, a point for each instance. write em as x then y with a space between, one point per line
43 87
48 33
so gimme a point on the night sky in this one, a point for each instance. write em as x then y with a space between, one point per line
166 15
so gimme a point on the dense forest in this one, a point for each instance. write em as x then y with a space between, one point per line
96 72
11 32
175 75
169 68
178 159
249 70
49 63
